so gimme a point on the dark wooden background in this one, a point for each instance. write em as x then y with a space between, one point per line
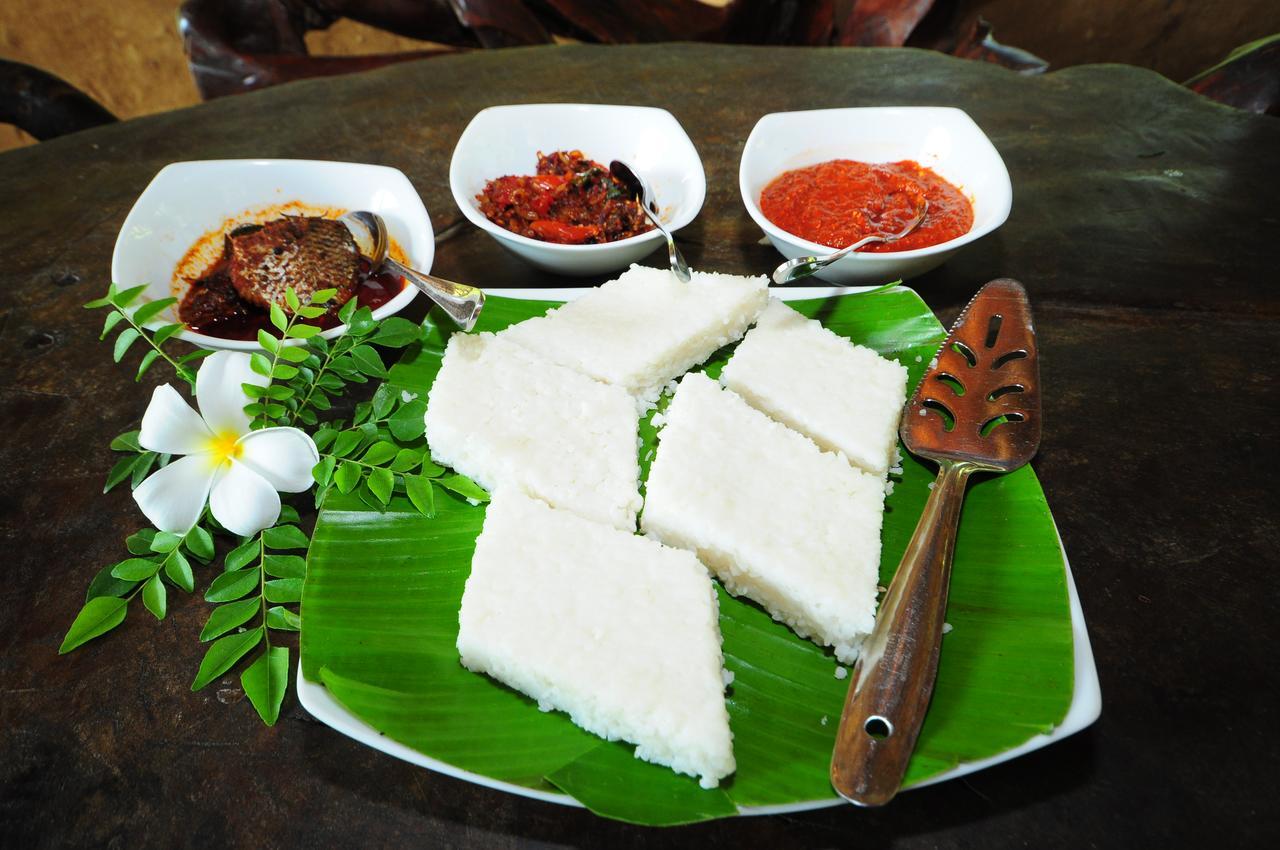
1144 225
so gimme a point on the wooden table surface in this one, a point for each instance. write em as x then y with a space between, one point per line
1144 225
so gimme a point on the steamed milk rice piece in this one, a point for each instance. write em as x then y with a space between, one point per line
503 415
646 327
617 630
844 397
776 518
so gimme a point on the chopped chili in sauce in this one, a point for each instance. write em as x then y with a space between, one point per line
836 203
571 200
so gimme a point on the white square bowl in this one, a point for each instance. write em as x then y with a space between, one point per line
941 138
503 140
186 200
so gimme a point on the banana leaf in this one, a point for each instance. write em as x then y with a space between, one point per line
379 621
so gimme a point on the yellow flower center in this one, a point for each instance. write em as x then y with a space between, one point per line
224 447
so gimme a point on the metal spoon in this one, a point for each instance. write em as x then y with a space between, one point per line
461 302
976 410
805 266
641 192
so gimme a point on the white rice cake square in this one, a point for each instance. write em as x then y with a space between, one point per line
844 397
617 630
501 414
777 519
645 328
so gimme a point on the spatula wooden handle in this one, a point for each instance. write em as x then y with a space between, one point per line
893 679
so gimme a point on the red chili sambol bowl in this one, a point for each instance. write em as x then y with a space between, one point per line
942 139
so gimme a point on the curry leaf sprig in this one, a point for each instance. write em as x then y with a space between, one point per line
131 321
376 453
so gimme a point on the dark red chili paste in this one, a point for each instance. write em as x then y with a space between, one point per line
836 203
571 200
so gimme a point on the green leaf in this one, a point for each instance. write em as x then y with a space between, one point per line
381 483
259 363
406 459
113 318
346 443
312 312
198 354
165 541
200 543
291 298
224 653
288 514
279 392
286 566
163 334
421 494
384 398
324 436
362 321
431 469
128 296
279 617
346 477
135 569
126 442
233 585
151 309
98 616
126 338
278 318
226 617
284 590
322 472
155 597
242 556
300 331
367 361
284 371
147 359
141 467
265 681
268 342
346 312
323 296
380 453
285 537
105 584
96 303
464 487
178 569
121 470
139 543
409 421
396 332
294 353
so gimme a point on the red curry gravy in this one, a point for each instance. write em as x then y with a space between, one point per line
836 203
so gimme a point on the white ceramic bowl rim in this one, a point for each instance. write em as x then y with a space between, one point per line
818 249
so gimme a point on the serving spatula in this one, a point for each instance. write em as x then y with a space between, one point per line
977 409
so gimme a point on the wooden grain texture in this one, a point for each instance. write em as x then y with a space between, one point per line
1143 226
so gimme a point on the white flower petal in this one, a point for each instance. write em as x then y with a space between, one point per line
219 394
243 501
283 456
172 426
173 497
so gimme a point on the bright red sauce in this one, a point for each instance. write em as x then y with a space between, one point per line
836 203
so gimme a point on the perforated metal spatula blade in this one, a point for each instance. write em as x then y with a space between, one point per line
979 402
976 409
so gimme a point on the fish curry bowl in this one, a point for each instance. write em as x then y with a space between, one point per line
942 143
176 232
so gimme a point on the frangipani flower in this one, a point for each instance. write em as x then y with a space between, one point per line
237 470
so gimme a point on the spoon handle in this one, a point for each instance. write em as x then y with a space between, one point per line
462 303
893 681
